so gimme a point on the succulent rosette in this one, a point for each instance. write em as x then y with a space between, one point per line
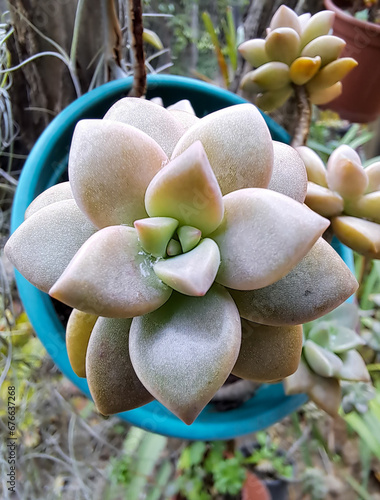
298 50
170 230
348 194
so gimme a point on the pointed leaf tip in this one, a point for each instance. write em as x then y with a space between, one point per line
155 233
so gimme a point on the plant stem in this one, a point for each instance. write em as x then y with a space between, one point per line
301 133
136 29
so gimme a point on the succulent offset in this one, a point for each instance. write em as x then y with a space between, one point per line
186 251
297 51
347 194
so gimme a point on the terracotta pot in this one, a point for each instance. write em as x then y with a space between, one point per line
360 99
254 489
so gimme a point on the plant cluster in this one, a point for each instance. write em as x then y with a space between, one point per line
297 51
170 230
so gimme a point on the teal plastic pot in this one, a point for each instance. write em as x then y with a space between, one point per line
45 166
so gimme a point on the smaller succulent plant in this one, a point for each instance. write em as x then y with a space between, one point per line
347 194
329 356
297 51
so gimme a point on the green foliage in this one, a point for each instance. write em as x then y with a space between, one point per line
313 483
267 457
229 475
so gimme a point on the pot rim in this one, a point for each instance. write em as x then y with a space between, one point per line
348 18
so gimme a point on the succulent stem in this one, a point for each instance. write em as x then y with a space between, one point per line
136 28
304 112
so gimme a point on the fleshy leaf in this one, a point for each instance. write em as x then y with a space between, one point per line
187 190
345 173
112 276
304 68
284 17
268 353
254 52
270 76
327 47
331 74
191 273
187 120
318 284
283 44
155 233
271 100
257 222
110 167
184 351
78 331
323 96
303 19
42 247
366 207
373 175
318 25
150 118
363 236
342 339
59 192
182 105
173 248
111 378
354 367
300 381
323 201
189 237
289 174
315 168
322 361
222 133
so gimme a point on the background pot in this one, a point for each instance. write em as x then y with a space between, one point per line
360 99
45 166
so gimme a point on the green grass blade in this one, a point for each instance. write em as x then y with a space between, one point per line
162 479
214 39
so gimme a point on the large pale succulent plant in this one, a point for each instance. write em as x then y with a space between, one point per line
347 194
170 230
297 51
329 357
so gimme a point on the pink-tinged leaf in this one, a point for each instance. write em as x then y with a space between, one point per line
42 247
257 223
222 134
78 331
289 173
191 273
315 168
323 201
284 17
316 286
268 353
187 190
59 192
110 167
184 351
373 175
150 118
111 378
345 173
112 276
189 237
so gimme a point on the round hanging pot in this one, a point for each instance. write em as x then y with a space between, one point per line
360 99
46 165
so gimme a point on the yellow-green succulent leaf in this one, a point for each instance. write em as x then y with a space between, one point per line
342 339
303 69
112 381
323 96
268 353
222 133
256 224
289 173
345 173
187 190
42 247
59 192
318 25
331 74
327 47
284 17
254 52
191 273
315 168
189 237
174 248
373 175
366 207
363 236
152 38
154 120
112 276
316 286
121 157
322 361
78 331
154 234
323 201
354 368
270 76
283 44
271 100
184 351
